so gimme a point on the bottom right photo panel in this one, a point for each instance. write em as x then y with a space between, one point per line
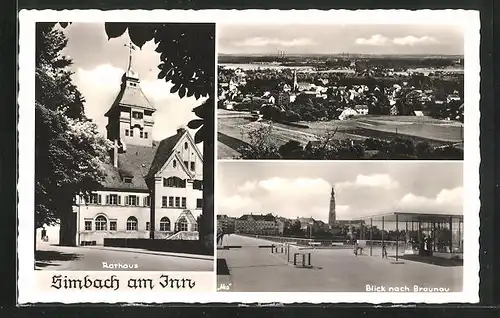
340 226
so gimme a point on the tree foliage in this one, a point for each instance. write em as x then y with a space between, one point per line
68 149
187 55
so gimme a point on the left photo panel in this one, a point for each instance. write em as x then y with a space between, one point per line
122 139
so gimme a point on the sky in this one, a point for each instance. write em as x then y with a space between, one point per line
302 189
337 38
99 63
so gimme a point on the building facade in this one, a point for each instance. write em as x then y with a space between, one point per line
151 189
256 224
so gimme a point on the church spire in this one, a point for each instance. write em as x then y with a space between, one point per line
130 48
332 215
295 84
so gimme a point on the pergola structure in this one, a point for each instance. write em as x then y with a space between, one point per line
418 223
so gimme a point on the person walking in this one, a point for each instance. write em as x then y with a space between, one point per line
384 251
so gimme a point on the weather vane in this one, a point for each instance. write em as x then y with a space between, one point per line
130 48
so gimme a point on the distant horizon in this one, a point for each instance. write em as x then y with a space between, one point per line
315 39
337 54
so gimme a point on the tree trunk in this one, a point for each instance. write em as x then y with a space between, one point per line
67 230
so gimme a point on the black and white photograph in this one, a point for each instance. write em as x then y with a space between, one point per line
340 91
340 226
119 160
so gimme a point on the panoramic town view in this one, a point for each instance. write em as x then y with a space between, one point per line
301 227
340 92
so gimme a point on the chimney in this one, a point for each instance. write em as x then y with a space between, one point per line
115 154
181 130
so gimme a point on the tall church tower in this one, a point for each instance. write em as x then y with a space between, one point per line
130 117
332 215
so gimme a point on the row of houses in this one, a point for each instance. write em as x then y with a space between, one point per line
268 224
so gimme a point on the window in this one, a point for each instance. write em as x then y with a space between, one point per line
164 202
112 199
126 132
141 134
131 133
170 201
147 226
192 165
132 200
183 202
174 163
174 182
112 225
198 185
186 145
127 180
93 199
137 115
132 224
177 202
88 225
165 224
182 224
186 164
101 223
147 201
199 203
146 134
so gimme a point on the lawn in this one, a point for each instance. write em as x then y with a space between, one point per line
233 130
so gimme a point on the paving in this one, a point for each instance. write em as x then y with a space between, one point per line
53 257
254 269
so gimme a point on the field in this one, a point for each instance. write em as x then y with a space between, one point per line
233 128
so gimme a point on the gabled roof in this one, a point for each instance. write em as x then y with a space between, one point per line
188 215
134 163
131 96
165 150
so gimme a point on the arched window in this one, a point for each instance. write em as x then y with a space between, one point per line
174 163
101 223
165 224
174 182
132 224
186 145
182 224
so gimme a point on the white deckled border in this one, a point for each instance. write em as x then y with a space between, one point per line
28 276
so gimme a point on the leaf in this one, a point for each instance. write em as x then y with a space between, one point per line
182 91
140 33
199 136
161 74
63 24
200 110
195 123
115 29
175 88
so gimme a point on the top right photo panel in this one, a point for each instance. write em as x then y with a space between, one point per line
341 92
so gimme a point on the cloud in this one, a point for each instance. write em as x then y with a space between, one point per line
375 40
237 204
412 40
263 41
373 181
295 186
248 186
446 201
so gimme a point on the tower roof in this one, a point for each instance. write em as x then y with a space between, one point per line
131 94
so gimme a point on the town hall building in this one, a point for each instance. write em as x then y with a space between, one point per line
152 189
